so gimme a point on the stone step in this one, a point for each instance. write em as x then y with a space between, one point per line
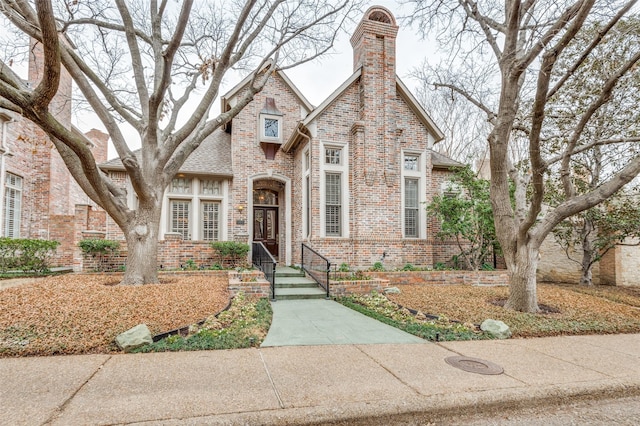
284 271
295 282
300 293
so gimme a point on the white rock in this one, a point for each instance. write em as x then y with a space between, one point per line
134 338
496 328
392 290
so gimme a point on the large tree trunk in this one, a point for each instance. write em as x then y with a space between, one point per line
523 296
142 248
587 253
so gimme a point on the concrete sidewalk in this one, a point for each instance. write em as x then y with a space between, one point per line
327 322
346 384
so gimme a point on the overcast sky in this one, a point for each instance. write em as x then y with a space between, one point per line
319 78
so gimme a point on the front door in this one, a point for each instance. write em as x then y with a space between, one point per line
265 228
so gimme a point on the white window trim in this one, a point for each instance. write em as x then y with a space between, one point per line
419 174
306 201
263 137
196 199
343 170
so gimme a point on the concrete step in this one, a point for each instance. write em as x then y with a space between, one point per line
300 293
295 282
284 271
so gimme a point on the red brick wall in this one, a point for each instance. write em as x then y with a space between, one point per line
444 277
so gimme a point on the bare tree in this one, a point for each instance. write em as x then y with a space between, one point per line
526 41
141 63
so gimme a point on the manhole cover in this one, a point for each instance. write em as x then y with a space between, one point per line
474 365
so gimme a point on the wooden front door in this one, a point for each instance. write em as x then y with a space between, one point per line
265 228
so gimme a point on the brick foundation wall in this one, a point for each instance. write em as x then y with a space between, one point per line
478 278
344 288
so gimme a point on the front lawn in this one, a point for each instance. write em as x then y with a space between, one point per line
78 314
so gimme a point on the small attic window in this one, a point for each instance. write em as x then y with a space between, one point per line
379 16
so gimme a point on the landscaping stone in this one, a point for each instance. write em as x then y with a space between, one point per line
496 328
392 290
134 338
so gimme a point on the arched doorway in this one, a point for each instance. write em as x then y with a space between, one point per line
266 219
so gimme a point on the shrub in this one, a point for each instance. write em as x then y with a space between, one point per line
378 267
26 254
102 249
232 251
344 267
409 267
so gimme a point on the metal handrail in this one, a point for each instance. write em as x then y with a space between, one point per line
264 261
317 266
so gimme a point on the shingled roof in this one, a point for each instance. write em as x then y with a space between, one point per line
212 157
440 161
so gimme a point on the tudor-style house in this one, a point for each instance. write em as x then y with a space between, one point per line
348 177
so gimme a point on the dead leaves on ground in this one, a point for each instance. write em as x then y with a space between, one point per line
75 314
580 311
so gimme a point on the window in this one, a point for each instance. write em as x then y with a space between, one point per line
210 187
332 156
411 207
306 191
333 205
413 194
411 162
210 220
181 186
270 128
334 189
265 197
180 217
12 205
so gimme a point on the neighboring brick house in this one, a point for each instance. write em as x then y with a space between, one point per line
40 198
348 177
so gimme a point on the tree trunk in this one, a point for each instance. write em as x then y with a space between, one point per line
523 294
587 253
142 248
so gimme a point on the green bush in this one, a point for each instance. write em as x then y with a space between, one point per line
231 251
26 255
97 246
102 249
409 267
344 267
378 267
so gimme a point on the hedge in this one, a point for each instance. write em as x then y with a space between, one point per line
26 255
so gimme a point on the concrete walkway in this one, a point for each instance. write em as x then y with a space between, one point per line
343 384
326 322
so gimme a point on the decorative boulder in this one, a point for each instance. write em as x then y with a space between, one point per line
496 328
392 290
134 338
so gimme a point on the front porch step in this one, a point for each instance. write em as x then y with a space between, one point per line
300 293
285 271
292 284
295 282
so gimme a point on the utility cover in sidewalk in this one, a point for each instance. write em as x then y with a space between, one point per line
474 365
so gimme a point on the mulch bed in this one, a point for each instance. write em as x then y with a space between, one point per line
568 309
79 314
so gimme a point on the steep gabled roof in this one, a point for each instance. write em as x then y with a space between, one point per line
402 90
238 87
212 157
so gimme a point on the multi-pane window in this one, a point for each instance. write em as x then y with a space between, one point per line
181 186
411 162
411 207
332 156
210 220
333 204
12 205
210 187
180 217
